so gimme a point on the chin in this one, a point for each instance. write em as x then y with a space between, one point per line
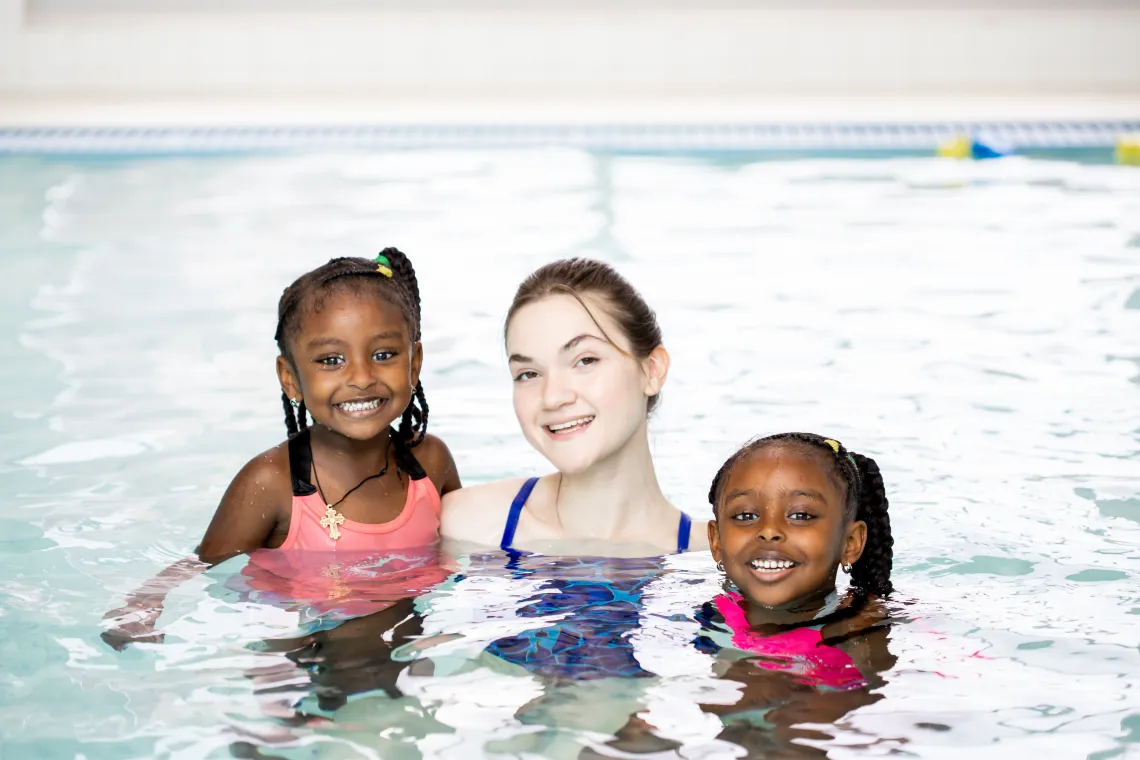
773 599
359 432
568 463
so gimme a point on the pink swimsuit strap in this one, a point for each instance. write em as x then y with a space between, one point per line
799 651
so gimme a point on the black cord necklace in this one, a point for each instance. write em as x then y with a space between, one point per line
334 519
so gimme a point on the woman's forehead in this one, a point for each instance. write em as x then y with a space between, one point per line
545 326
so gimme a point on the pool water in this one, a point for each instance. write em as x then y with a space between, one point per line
973 326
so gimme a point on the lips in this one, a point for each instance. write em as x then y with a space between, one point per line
771 566
361 407
566 428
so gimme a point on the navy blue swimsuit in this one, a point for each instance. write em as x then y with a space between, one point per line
602 608
524 493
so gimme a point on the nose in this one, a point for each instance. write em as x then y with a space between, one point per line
556 391
770 528
360 375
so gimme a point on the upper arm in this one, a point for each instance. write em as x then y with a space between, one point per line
250 509
434 456
477 513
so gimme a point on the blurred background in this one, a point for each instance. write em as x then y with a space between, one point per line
218 62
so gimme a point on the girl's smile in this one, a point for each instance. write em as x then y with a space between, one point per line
781 529
355 364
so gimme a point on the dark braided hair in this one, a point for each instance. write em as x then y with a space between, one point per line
309 293
866 500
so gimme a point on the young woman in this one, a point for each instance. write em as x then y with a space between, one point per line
588 366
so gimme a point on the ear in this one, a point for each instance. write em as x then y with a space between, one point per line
854 542
417 362
656 370
714 541
288 379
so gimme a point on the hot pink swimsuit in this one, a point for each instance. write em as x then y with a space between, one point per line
800 651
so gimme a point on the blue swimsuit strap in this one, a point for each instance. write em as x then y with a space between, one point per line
683 533
516 510
517 505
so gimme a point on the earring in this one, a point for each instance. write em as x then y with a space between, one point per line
294 402
846 569
720 566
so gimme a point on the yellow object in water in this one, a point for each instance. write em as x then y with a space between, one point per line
957 147
1128 150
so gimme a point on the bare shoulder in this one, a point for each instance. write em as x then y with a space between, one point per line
698 534
478 513
259 497
434 456
268 473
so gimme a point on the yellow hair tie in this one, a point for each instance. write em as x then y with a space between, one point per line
833 444
383 266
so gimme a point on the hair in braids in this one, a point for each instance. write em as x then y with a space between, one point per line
866 500
308 295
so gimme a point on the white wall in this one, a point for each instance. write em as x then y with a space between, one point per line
65 52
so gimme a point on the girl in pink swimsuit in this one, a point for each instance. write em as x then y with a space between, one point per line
364 480
789 511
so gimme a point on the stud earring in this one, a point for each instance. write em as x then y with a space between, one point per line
720 566
294 402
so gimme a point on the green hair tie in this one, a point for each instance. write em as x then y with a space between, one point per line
383 266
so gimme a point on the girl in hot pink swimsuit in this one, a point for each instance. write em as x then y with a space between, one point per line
789 511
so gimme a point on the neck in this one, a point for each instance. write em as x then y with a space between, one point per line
368 454
615 498
804 610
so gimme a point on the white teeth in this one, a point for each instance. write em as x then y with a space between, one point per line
772 564
359 406
571 424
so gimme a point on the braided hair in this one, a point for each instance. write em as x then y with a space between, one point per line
866 500
309 293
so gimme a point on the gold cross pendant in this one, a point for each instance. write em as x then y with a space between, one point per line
332 520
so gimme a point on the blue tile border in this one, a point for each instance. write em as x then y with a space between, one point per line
648 137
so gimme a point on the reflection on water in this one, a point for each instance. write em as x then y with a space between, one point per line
974 327
570 658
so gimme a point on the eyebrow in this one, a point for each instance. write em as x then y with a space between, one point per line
521 359
796 492
322 342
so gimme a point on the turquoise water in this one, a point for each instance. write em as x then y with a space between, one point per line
975 327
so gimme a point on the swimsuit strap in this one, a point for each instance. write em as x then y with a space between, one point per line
516 510
301 463
683 532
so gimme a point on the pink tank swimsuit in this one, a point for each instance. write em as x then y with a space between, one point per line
800 651
368 567
416 525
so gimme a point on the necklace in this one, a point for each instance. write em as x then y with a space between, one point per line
334 519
